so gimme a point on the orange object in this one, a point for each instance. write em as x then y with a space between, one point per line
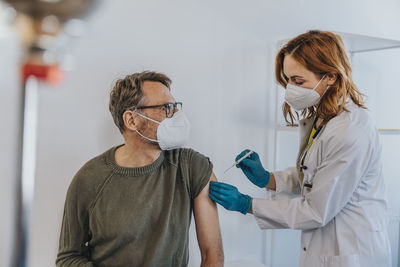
48 73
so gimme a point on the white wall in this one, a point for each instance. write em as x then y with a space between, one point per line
9 125
218 56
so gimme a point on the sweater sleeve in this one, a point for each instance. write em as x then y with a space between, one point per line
74 237
200 172
198 169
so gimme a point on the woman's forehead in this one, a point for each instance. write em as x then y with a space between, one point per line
292 67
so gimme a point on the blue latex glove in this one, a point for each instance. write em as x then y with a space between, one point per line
253 169
229 197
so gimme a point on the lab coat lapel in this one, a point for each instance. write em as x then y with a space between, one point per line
305 131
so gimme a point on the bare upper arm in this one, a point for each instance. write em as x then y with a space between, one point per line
207 224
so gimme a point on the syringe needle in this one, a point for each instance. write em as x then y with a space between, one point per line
239 160
230 168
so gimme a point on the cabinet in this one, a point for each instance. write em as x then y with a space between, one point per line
375 70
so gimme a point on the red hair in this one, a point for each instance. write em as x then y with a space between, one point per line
322 53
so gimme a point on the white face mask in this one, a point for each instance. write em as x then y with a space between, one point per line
300 98
172 132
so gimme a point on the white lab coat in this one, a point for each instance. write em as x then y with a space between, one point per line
343 216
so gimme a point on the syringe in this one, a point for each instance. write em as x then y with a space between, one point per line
239 160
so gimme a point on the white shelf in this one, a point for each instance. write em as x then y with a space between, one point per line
287 128
296 128
389 131
356 43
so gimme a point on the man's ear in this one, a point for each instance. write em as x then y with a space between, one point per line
131 120
332 77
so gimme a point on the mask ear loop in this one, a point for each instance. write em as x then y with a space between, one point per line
327 88
149 139
150 119
315 87
143 116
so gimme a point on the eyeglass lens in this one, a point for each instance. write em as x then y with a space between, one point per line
170 109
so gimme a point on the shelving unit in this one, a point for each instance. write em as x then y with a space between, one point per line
355 44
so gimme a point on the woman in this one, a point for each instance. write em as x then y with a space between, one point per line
341 203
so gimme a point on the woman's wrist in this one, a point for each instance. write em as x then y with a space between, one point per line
271 184
251 206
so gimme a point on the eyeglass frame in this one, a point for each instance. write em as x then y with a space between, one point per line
175 105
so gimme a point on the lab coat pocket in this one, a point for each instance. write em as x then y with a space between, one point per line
351 260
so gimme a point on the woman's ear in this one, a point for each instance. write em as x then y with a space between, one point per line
332 77
131 120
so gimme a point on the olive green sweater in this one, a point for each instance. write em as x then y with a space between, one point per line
116 216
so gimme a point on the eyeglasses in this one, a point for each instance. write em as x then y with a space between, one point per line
169 108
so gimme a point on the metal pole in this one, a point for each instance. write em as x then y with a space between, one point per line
26 169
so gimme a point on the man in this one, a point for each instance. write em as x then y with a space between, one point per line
132 205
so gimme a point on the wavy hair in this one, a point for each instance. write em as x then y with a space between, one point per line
128 92
320 52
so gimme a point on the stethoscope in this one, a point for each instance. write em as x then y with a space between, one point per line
308 185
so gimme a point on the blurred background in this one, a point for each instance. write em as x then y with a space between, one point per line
220 55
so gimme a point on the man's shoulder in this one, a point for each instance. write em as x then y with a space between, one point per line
93 172
187 155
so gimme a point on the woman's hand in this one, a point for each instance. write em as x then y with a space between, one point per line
253 169
229 197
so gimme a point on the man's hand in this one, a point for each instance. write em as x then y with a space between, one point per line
253 169
229 197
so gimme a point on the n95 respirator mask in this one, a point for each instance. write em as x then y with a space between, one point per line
172 133
300 98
